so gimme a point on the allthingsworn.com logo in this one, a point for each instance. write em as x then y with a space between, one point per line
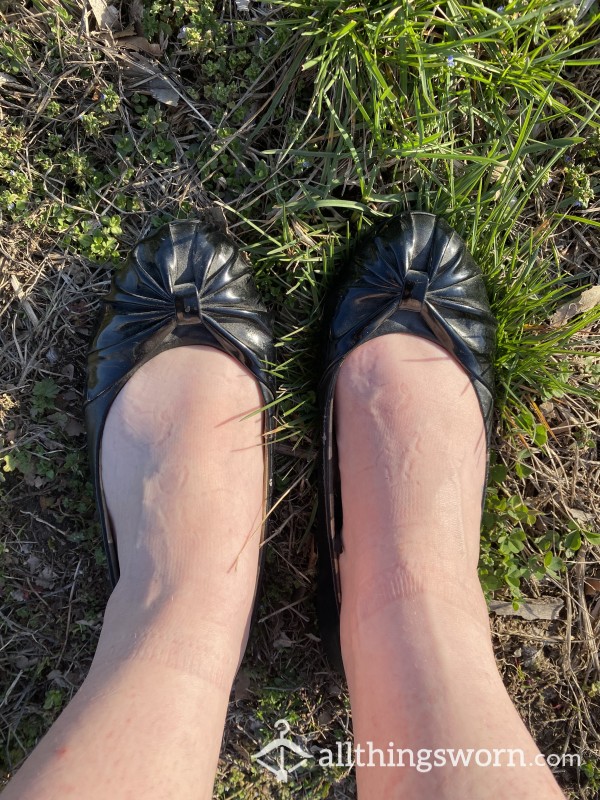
284 758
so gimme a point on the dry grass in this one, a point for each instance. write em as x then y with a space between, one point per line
551 668
52 577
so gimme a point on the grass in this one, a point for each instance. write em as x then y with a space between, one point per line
303 123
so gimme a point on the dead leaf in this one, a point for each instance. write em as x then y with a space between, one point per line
139 43
45 502
23 662
74 428
585 302
33 562
542 608
527 655
282 641
591 586
46 578
581 516
143 76
106 16
58 678
22 297
499 170
499 174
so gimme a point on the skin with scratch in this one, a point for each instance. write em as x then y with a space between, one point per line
414 627
182 468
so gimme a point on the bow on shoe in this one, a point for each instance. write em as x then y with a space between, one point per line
414 274
184 275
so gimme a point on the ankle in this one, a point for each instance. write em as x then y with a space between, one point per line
189 601
367 590
181 632
415 599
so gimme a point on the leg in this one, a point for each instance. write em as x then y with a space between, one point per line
415 635
183 476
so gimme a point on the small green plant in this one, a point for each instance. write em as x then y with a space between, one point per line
52 109
591 770
93 124
109 99
43 397
16 460
99 243
54 700
33 464
15 51
512 548
16 184
579 182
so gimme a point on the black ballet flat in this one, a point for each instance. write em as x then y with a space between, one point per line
412 274
186 285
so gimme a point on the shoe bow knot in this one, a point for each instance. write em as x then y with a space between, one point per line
187 304
414 292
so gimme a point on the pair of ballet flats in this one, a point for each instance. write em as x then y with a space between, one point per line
188 284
